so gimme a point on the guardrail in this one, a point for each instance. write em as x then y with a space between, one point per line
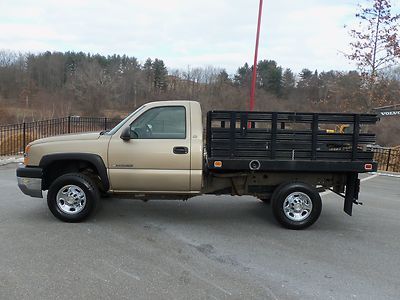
14 138
388 158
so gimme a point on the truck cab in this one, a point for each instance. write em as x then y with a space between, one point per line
159 150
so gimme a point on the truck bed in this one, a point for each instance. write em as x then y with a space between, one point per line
289 141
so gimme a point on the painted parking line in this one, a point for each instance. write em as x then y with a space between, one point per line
369 177
389 175
362 180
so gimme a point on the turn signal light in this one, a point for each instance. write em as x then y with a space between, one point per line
26 155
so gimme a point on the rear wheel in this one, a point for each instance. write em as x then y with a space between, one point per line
296 205
72 197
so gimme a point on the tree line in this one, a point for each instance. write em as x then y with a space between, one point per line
77 82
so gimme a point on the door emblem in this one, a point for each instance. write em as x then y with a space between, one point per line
123 166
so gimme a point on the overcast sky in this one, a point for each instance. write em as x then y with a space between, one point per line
221 33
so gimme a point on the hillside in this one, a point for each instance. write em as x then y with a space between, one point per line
50 85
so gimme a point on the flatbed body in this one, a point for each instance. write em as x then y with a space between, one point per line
288 141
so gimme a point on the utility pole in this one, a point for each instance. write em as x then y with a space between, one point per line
254 76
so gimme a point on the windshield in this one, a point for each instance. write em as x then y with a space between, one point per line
120 124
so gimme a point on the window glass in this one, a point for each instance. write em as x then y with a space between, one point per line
168 122
120 124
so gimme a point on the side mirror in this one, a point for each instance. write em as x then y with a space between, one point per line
126 134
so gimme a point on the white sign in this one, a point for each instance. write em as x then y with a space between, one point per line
390 113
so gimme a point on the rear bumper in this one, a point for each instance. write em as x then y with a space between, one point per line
30 181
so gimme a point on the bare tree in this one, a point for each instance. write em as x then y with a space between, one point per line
375 42
91 87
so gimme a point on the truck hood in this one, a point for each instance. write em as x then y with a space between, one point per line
68 137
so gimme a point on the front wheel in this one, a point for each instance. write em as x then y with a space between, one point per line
296 205
72 197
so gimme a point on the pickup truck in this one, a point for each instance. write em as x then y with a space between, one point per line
159 151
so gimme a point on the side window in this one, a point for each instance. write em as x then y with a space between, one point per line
168 122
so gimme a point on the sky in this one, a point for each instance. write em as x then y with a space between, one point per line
220 33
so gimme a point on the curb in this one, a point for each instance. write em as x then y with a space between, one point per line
10 160
388 174
396 175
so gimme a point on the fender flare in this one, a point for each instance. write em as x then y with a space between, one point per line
94 159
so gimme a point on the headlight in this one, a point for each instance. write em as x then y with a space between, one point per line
26 155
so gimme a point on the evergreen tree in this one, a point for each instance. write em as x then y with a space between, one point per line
148 73
243 76
160 75
305 76
314 87
309 85
288 83
223 77
270 76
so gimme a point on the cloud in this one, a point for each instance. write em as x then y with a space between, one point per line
297 34
311 37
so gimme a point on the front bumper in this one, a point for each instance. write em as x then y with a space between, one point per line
30 181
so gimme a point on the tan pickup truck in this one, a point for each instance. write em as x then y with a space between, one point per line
159 152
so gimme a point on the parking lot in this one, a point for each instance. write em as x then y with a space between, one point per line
206 248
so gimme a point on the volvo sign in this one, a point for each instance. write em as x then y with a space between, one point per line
390 113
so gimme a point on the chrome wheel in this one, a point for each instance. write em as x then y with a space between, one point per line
71 199
297 206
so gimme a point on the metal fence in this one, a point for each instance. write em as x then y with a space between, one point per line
388 159
14 138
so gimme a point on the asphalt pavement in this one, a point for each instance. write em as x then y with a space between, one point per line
210 247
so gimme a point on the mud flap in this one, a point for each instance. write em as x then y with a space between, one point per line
352 191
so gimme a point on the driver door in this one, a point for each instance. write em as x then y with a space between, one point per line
157 157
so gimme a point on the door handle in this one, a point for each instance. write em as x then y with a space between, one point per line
181 150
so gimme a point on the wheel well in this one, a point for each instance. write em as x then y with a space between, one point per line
61 167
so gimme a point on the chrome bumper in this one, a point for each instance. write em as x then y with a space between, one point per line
31 186
30 181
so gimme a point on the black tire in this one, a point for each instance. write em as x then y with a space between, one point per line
83 184
297 190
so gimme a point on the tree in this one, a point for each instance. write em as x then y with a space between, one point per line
222 82
160 75
91 87
375 44
270 76
11 73
129 77
243 76
223 77
309 85
288 83
305 77
148 73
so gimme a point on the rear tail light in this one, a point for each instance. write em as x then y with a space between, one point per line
368 167
217 164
